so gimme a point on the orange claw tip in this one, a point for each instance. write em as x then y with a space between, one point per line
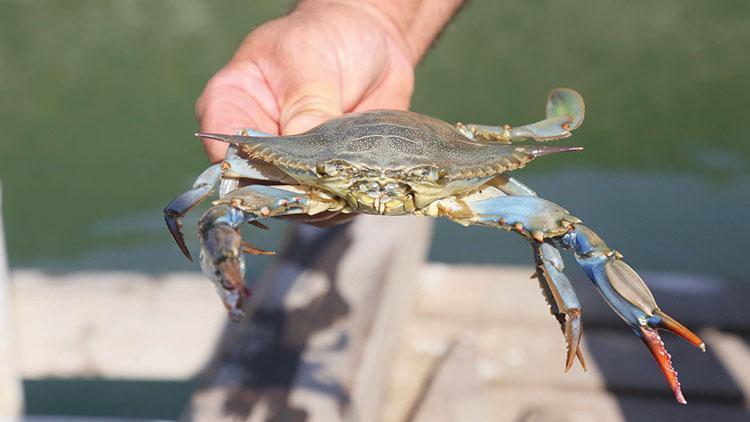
655 345
579 353
668 323
581 360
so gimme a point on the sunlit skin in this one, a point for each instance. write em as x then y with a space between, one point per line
324 59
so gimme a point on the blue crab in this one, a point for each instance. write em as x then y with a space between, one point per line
391 162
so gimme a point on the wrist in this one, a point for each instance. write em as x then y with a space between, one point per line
411 24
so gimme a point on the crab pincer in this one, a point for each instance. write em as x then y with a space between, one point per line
561 298
222 256
173 212
628 295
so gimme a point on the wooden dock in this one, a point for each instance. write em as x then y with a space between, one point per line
480 345
388 338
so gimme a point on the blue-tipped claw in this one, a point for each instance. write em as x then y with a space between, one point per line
629 296
177 208
174 211
222 257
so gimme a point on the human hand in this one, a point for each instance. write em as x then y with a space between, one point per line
326 58
293 73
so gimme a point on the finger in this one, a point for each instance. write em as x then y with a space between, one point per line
392 92
223 115
307 103
234 100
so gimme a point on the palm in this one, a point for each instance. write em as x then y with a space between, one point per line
295 72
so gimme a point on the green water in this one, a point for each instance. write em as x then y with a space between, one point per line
97 121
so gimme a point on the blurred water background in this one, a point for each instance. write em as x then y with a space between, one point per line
97 121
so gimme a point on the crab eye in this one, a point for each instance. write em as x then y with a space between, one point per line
326 169
425 173
333 168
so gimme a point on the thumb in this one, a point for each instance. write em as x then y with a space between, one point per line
307 105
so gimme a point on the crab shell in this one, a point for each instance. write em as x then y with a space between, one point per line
394 162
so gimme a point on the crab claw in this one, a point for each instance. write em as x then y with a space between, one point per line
629 296
177 208
221 256
561 299
650 337
174 211
573 331
666 322
655 345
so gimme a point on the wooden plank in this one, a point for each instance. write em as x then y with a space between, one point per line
734 352
508 343
495 314
506 293
542 404
696 301
121 325
472 386
11 393
478 294
628 369
326 321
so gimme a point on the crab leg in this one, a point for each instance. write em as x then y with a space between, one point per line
565 112
557 289
233 168
202 188
542 221
221 244
561 299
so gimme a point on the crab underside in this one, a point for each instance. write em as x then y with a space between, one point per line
401 163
